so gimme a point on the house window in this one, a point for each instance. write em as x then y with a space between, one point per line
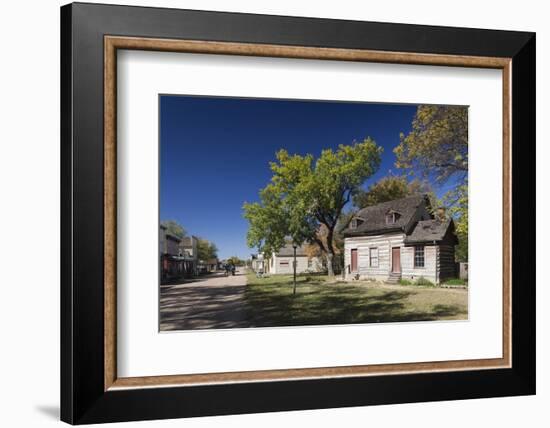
373 257
355 223
309 263
392 217
419 257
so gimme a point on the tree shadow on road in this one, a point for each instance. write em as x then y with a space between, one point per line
201 307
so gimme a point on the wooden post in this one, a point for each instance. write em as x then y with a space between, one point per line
294 266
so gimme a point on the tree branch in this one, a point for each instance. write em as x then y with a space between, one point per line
451 165
320 244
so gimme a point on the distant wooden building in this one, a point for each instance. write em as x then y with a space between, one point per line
257 263
211 265
176 260
189 245
400 239
281 262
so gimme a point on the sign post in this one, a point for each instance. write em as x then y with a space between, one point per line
294 268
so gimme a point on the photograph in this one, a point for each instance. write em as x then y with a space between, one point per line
271 211
289 212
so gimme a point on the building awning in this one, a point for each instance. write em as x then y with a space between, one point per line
180 258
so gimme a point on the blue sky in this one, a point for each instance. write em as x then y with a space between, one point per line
215 153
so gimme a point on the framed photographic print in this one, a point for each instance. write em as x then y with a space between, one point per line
265 213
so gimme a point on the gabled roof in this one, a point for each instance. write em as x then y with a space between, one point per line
429 231
288 250
374 217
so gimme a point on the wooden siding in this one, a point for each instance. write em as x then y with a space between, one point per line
429 271
446 262
384 243
172 246
283 265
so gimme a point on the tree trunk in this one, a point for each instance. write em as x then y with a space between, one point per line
330 252
330 258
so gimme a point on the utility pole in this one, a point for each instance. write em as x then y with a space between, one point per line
294 266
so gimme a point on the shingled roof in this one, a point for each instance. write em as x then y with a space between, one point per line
374 217
429 231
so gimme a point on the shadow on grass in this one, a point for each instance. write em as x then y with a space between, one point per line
274 305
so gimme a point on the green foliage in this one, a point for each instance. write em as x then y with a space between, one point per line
174 228
424 281
457 200
437 147
437 144
236 261
387 189
405 282
455 281
268 222
206 250
461 250
306 194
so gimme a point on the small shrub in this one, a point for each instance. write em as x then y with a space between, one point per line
424 281
405 282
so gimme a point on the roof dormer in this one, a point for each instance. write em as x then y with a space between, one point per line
392 216
355 222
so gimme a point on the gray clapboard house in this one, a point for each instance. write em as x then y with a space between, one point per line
282 261
400 239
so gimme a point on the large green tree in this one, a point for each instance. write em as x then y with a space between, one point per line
268 222
307 196
437 148
206 250
235 260
174 228
457 200
437 145
387 189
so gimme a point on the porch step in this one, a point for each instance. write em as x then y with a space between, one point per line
393 278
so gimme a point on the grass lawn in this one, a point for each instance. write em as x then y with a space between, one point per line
270 303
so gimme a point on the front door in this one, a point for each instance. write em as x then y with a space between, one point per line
396 260
354 260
